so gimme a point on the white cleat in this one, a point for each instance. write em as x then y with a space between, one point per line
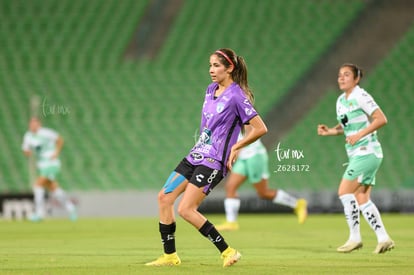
349 246
384 246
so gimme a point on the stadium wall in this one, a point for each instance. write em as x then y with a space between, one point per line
144 204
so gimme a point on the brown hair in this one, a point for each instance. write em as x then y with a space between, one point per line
357 71
239 74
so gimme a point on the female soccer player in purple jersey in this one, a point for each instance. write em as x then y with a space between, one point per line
227 107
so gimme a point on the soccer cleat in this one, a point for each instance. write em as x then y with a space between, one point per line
166 260
384 246
35 218
230 256
349 246
228 226
301 210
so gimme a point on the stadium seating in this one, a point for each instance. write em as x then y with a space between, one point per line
130 121
391 85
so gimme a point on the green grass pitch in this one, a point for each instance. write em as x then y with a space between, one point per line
270 244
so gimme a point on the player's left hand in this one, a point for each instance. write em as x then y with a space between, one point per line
54 155
232 158
353 138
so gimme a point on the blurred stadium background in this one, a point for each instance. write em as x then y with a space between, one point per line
123 82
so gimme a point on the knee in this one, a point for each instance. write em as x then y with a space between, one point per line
231 191
362 198
343 191
164 199
265 193
183 212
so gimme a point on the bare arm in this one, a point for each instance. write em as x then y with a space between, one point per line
25 147
59 146
256 129
324 130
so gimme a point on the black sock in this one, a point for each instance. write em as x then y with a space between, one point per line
208 230
167 237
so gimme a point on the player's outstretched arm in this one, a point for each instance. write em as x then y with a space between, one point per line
324 130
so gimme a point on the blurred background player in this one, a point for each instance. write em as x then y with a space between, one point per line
359 118
252 165
45 145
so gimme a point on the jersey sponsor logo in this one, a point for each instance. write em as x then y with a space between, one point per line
204 138
205 149
220 107
212 176
38 149
197 157
199 177
343 119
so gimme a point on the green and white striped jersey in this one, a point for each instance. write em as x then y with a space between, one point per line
353 113
43 145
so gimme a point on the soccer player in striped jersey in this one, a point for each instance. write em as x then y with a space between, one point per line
227 107
45 145
252 165
359 118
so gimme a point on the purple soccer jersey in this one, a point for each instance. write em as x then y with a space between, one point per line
221 122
